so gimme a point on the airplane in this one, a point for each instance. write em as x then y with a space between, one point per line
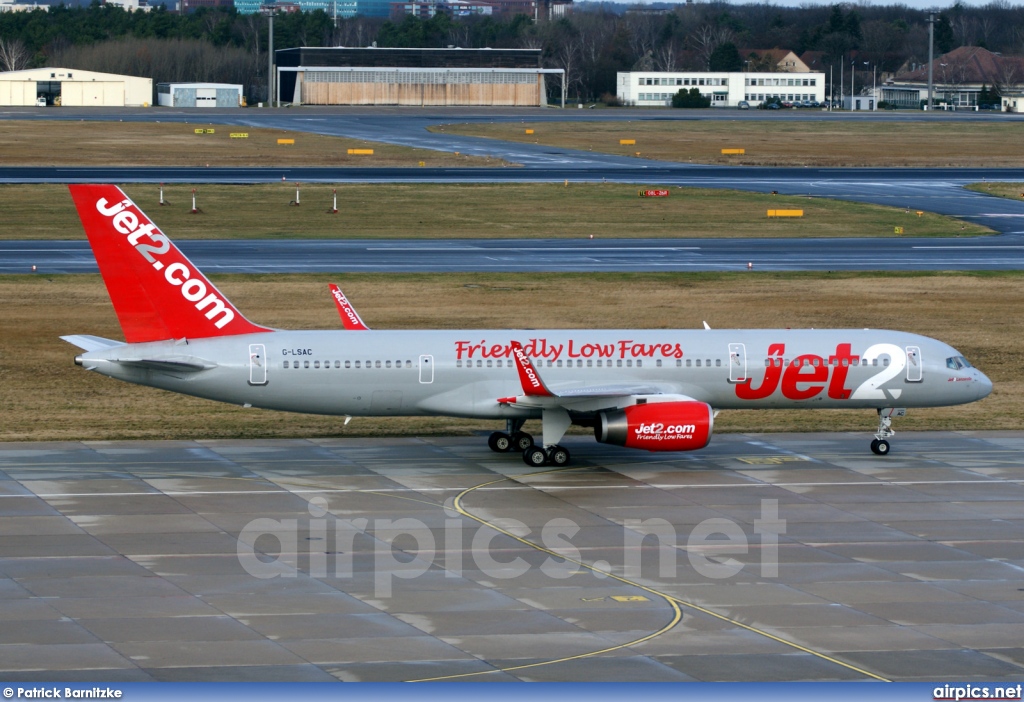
653 389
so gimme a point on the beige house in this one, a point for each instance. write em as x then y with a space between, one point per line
70 87
773 61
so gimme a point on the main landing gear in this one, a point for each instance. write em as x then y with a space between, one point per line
536 457
515 439
880 444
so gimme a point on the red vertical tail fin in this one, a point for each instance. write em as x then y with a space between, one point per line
157 293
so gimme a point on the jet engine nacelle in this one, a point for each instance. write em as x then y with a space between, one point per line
663 426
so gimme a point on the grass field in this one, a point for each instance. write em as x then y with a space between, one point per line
780 142
427 211
65 143
46 397
1013 191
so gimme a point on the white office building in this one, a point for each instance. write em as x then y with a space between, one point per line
655 89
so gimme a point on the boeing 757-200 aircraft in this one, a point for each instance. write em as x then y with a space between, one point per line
654 389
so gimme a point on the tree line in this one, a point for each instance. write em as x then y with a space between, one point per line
591 45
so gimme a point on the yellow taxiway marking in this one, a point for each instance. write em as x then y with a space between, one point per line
677 614
673 602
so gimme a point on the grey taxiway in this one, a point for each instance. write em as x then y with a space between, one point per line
127 561
937 190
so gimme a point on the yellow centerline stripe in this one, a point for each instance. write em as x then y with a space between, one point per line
677 613
673 601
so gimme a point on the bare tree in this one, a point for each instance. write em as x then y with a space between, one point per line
965 29
986 29
13 55
1009 75
567 57
666 58
642 29
706 39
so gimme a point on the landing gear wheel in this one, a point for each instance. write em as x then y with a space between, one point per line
535 456
880 447
558 456
521 441
499 442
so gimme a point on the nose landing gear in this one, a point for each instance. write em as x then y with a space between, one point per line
880 444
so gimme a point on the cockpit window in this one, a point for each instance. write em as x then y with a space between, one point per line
958 363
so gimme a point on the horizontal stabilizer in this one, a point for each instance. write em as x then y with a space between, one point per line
87 342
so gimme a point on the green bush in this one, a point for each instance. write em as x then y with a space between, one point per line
691 98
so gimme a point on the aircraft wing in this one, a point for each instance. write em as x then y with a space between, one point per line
536 393
612 390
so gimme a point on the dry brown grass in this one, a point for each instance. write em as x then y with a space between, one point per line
780 142
59 143
46 397
1013 191
429 211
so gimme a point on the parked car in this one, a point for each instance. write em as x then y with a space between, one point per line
743 105
772 106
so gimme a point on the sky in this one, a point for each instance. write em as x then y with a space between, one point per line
915 4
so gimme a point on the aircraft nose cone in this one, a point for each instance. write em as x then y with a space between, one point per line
984 386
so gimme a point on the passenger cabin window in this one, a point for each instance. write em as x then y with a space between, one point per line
285 364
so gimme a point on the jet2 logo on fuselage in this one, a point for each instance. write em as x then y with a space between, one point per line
808 375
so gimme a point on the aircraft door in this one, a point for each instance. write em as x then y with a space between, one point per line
257 364
426 369
737 363
915 365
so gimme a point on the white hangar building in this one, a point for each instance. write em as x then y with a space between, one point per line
199 95
71 87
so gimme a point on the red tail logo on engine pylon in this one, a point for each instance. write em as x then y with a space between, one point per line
528 376
350 319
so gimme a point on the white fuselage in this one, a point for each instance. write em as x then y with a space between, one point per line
463 373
